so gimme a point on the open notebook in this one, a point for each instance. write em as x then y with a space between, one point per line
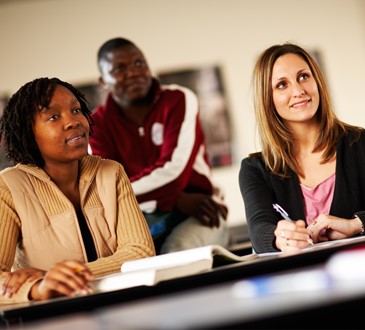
152 270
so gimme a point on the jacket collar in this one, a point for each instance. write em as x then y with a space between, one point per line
88 168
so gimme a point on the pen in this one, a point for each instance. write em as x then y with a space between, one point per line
285 215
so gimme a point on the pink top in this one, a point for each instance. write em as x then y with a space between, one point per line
318 200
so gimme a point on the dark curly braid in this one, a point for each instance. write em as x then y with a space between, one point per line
16 123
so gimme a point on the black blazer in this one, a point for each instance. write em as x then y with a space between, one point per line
260 189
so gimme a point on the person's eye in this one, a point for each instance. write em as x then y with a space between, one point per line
304 77
139 64
53 117
77 110
281 85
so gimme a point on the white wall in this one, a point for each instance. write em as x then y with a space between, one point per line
61 37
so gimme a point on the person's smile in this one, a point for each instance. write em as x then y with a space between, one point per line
77 139
301 104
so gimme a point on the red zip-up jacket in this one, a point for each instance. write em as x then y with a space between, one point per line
165 156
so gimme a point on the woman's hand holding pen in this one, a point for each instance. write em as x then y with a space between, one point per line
328 227
66 278
291 235
290 230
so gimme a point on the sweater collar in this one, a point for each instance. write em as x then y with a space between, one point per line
88 168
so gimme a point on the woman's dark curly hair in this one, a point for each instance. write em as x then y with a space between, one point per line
16 123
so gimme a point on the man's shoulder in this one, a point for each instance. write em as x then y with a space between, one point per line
98 111
176 89
174 94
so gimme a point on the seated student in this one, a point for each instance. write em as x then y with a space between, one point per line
66 217
155 133
311 163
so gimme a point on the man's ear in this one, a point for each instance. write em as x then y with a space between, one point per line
102 83
104 87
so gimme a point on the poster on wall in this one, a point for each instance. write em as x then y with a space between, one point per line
94 94
207 83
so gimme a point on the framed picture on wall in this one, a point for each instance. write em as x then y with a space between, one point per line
208 84
94 94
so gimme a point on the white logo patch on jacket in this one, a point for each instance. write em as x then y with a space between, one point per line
157 134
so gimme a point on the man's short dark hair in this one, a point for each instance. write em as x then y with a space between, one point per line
112 44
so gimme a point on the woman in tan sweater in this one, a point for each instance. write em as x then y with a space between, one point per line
66 217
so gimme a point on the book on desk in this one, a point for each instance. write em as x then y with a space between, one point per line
152 270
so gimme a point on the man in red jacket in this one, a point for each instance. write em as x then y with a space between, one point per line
154 131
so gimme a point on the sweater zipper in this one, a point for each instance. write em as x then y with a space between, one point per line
141 131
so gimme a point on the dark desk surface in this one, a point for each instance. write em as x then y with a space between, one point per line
224 275
310 297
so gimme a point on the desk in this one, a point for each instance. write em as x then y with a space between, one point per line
225 306
206 282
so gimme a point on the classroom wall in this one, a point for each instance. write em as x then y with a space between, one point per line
61 37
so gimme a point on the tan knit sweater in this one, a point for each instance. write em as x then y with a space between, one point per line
39 226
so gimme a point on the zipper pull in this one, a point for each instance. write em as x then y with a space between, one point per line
141 131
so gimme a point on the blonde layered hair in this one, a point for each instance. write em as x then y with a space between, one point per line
276 139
